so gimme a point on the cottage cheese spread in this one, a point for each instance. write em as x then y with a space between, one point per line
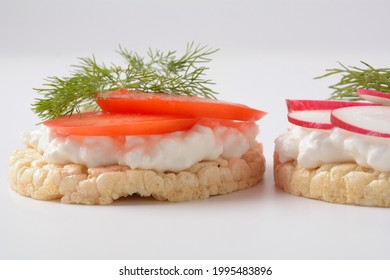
314 147
173 151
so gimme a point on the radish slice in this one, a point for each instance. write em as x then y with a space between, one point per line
299 105
319 119
367 120
374 96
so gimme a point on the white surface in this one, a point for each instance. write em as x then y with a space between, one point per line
270 50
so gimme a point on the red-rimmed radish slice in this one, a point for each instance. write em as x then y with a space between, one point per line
374 96
307 104
367 120
319 119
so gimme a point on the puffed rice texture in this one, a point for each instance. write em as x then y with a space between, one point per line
30 175
345 183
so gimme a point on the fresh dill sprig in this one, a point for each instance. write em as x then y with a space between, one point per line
356 77
161 72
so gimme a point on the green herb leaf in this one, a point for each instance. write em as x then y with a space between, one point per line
161 72
356 77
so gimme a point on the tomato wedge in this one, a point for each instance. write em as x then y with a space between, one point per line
112 124
126 101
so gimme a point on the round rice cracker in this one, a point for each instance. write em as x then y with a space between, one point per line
345 183
30 175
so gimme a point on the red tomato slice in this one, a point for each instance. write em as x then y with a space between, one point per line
112 124
221 122
126 101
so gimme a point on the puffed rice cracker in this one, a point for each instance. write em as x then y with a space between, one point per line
346 183
30 175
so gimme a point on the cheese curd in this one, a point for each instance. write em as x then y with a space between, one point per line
314 147
173 151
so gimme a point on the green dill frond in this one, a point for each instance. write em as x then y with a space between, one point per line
356 77
162 72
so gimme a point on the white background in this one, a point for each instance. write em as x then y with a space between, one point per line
269 50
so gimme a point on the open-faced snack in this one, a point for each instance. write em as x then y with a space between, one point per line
153 128
339 151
